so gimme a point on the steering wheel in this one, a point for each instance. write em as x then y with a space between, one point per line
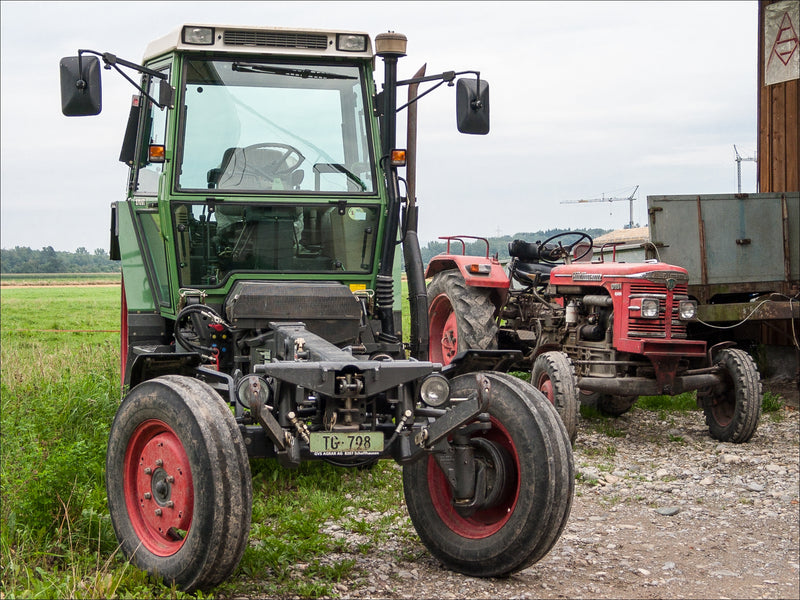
559 252
289 160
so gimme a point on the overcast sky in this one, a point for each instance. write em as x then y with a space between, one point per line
588 100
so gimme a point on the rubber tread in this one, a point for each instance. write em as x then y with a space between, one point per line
558 368
744 392
220 470
545 495
474 310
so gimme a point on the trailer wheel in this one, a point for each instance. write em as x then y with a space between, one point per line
527 458
732 415
554 375
178 482
461 317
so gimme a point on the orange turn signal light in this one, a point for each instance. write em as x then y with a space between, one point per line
479 269
156 153
398 158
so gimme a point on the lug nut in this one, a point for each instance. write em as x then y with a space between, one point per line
170 504
159 462
147 496
170 479
158 512
147 470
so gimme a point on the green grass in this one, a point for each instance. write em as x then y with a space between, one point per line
681 403
59 392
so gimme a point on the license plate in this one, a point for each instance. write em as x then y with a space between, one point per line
340 443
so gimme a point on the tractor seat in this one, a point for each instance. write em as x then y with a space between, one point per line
527 268
531 273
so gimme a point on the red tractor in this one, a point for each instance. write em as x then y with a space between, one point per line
589 330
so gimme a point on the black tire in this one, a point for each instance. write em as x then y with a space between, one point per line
732 415
554 375
615 406
537 489
460 317
174 447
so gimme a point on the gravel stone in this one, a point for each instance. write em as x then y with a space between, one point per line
734 532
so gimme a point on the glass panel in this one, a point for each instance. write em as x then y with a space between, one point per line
213 241
156 248
274 127
156 123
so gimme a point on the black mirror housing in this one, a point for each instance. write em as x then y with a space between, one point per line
81 93
472 106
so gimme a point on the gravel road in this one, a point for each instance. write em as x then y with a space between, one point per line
661 511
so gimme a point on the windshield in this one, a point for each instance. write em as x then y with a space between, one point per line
214 240
254 126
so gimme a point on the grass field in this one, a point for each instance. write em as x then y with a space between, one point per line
60 390
59 387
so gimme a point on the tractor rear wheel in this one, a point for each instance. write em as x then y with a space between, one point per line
461 317
732 415
526 458
554 376
178 482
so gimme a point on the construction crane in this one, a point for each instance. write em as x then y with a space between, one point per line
630 199
739 160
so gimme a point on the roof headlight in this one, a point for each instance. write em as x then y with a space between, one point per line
650 308
435 390
198 36
687 309
347 42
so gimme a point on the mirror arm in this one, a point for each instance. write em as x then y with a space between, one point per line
112 60
446 77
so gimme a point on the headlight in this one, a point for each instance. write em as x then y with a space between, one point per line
252 391
198 36
687 309
435 390
351 43
649 308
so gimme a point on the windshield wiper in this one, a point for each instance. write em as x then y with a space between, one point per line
339 168
301 73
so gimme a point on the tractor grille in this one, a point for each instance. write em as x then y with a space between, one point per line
665 325
272 39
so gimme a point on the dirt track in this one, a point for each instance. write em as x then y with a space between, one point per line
663 511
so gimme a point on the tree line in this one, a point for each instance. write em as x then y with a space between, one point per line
22 259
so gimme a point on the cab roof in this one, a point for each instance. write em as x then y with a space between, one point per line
243 39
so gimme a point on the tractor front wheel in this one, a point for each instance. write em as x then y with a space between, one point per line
178 482
525 461
460 317
554 375
732 415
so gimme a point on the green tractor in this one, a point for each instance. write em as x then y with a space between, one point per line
261 307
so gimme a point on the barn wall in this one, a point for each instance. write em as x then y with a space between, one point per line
778 122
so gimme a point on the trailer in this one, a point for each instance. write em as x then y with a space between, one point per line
742 252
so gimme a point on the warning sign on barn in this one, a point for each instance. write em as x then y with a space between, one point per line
782 42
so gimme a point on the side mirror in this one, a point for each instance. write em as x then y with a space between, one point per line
472 106
80 86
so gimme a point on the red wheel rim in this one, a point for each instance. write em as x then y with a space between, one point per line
723 411
157 483
486 522
443 330
545 386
